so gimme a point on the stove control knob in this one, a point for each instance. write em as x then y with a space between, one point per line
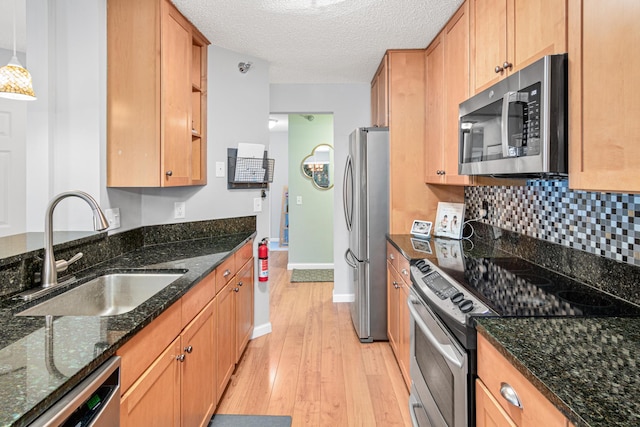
425 269
420 263
466 306
457 298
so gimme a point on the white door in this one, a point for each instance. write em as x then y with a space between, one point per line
13 121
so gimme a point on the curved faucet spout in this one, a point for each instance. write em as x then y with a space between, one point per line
49 272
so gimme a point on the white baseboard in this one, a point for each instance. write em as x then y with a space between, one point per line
344 297
261 330
300 266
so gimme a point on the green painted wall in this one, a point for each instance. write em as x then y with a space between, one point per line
311 223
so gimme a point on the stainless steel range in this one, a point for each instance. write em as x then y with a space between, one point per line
448 293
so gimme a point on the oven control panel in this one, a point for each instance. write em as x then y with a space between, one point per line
443 292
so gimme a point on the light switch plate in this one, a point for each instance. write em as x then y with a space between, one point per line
257 204
220 169
113 216
298 200
179 210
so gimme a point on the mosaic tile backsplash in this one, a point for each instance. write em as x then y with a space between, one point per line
604 224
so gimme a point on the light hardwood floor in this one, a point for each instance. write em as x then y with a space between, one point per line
312 366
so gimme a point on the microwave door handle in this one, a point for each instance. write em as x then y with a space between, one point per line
444 349
506 100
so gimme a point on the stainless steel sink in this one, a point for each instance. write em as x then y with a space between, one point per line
107 295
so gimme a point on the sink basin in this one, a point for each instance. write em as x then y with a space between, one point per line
107 295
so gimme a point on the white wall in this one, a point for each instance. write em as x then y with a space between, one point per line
278 150
350 105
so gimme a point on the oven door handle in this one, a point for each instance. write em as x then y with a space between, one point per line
444 349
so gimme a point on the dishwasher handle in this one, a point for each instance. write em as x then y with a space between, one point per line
95 402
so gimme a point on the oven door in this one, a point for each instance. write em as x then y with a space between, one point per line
439 368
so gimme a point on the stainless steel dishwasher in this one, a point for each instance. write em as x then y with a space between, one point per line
94 402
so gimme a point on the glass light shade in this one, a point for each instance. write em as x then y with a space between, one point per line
15 82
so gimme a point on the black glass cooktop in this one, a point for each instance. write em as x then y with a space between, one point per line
515 287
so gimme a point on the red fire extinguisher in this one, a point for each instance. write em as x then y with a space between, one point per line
263 260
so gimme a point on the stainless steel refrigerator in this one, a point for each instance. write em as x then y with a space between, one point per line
366 211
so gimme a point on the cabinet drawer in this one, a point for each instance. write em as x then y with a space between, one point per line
198 297
495 370
393 255
225 272
244 254
141 350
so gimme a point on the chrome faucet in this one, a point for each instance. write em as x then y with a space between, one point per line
49 267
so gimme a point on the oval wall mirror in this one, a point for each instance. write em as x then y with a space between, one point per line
317 167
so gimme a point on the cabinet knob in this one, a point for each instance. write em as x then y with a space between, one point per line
180 358
498 69
188 349
236 289
507 65
226 273
391 256
168 173
405 272
240 283
395 285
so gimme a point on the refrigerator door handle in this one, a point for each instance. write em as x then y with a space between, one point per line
347 196
349 257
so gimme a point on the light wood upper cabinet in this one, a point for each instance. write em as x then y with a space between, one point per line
507 35
156 96
380 95
447 85
604 95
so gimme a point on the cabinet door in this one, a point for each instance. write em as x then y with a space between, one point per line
225 336
244 307
434 130
488 412
404 325
488 41
535 29
456 62
175 99
393 286
198 369
374 100
604 95
383 94
154 399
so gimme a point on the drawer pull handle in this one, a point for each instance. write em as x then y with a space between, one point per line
226 273
510 395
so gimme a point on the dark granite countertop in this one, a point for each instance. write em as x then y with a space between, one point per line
588 368
28 385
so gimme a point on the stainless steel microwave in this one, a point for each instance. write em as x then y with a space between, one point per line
519 125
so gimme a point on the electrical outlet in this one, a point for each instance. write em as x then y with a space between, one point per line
220 169
179 210
299 200
113 216
257 204
484 212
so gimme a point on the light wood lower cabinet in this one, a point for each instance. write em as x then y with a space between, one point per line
492 408
397 309
154 399
244 308
225 336
179 384
176 369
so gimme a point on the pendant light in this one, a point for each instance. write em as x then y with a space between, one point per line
15 80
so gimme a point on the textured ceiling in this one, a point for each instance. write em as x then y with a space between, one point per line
319 41
304 41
